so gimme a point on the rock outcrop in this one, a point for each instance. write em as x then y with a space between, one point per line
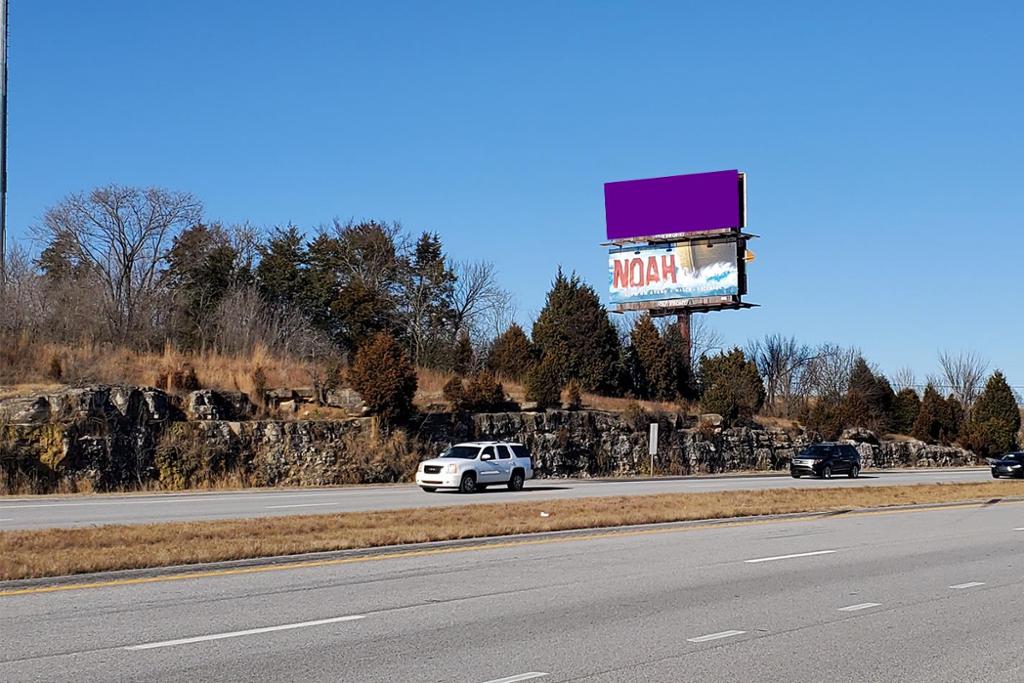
121 437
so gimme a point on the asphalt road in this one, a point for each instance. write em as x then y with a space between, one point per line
908 596
38 512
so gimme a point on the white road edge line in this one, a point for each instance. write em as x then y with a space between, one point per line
248 632
969 584
298 505
789 557
715 636
857 608
519 677
1020 528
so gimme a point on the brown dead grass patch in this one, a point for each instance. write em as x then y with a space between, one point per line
56 552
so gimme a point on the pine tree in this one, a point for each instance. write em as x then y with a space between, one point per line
511 355
732 386
869 399
654 376
906 406
995 419
575 335
544 384
933 419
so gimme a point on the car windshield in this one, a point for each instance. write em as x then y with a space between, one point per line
1014 457
814 452
464 452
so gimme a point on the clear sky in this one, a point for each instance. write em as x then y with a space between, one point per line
882 141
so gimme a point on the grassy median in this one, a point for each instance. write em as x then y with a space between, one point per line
57 552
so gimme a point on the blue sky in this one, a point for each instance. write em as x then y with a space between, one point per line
882 141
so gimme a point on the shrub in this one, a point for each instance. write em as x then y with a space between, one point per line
56 371
511 355
544 384
484 392
462 354
259 385
573 395
455 394
186 458
825 418
385 379
732 387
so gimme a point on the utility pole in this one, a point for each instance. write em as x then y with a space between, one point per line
3 143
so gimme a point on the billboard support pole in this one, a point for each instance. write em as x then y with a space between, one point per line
683 320
3 143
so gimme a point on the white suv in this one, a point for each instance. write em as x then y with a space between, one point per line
472 467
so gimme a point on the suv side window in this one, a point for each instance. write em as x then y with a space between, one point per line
503 453
488 450
520 451
851 452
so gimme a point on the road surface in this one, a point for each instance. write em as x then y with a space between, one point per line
915 596
38 512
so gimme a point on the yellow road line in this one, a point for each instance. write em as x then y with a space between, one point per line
287 566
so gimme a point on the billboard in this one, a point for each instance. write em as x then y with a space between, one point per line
675 204
703 273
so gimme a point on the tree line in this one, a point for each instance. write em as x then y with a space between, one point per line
368 302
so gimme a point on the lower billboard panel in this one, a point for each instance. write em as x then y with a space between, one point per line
667 275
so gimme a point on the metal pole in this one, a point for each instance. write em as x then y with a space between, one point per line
3 143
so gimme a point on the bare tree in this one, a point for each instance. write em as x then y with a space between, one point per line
120 235
904 379
963 373
782 362
703 338
828 371
478 301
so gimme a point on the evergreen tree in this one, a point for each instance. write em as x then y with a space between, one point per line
511 356
938 420
462 356
654 377
906 406
869 399
202 267
544 384
429 288
281 273
575 336
995 419
732 386
680 363
385 378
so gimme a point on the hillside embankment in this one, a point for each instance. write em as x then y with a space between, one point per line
105 438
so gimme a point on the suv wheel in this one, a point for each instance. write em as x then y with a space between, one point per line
517 481
854 471
826 472
468 484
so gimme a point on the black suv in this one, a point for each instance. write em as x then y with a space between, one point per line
825 459
1010 465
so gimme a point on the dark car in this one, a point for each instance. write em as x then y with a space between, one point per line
825 459
1010 465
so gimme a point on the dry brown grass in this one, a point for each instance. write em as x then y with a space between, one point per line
55 552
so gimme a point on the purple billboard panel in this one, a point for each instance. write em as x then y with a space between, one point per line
675 204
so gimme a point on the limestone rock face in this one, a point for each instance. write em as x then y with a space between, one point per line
113 437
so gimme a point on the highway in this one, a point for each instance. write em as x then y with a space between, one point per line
37 512
918 596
